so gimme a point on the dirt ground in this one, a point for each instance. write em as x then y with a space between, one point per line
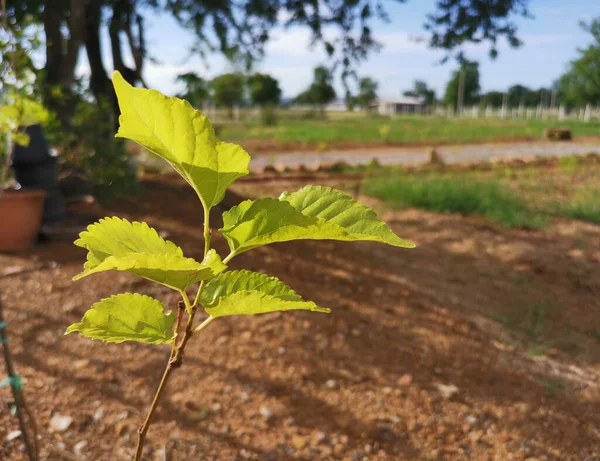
480 344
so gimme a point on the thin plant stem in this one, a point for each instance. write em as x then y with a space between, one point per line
206 230
31 447
175 361
176 357
186 301
143 430
229 257
203 325
200 288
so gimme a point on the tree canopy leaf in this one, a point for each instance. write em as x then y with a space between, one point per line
117 244
127 317
313 212
245 293
172 129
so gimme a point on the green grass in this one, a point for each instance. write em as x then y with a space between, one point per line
361 129
525 197
586 207
456 194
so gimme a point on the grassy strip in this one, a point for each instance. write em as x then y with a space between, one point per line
525 196
583 208
455 194
400 130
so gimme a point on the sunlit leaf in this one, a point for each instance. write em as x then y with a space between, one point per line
245 293
314 212
127 317
172 129
117 244
358 221
173 271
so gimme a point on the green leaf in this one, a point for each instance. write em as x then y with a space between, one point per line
246 293
358 221
127 317
313 212
117 244
172 129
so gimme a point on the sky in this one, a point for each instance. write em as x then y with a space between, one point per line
551 40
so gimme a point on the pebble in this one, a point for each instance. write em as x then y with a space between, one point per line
322 437
99 414
79 446
60 423
472 420
447 390
405 380
299 442
61 446
82 363
331 384
266 413
13 435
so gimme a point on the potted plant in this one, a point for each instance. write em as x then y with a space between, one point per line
20 209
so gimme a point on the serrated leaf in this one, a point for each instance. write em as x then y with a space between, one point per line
358 221
173 271
172 129
117 244
119 237
314 212
246 293
127 317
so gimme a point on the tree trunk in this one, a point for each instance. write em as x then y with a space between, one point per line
99 81
60 58
54 56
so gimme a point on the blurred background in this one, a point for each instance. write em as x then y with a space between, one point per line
471 126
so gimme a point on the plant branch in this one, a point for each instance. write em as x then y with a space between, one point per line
143 430
175 361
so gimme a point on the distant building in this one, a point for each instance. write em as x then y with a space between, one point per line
337 105
399 106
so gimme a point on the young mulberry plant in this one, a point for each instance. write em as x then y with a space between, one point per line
172 129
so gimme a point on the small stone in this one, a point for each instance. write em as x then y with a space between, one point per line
472 420
9 270
244 396
322 438
266 413
405 380
215 407
79 446
344 439
82 363
331 384
281 350
368 449
60 423
99 414
13 435
447 391
61 446
299 442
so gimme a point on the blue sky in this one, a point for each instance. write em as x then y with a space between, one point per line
551 40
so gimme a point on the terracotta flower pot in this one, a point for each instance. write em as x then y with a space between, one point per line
20 218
